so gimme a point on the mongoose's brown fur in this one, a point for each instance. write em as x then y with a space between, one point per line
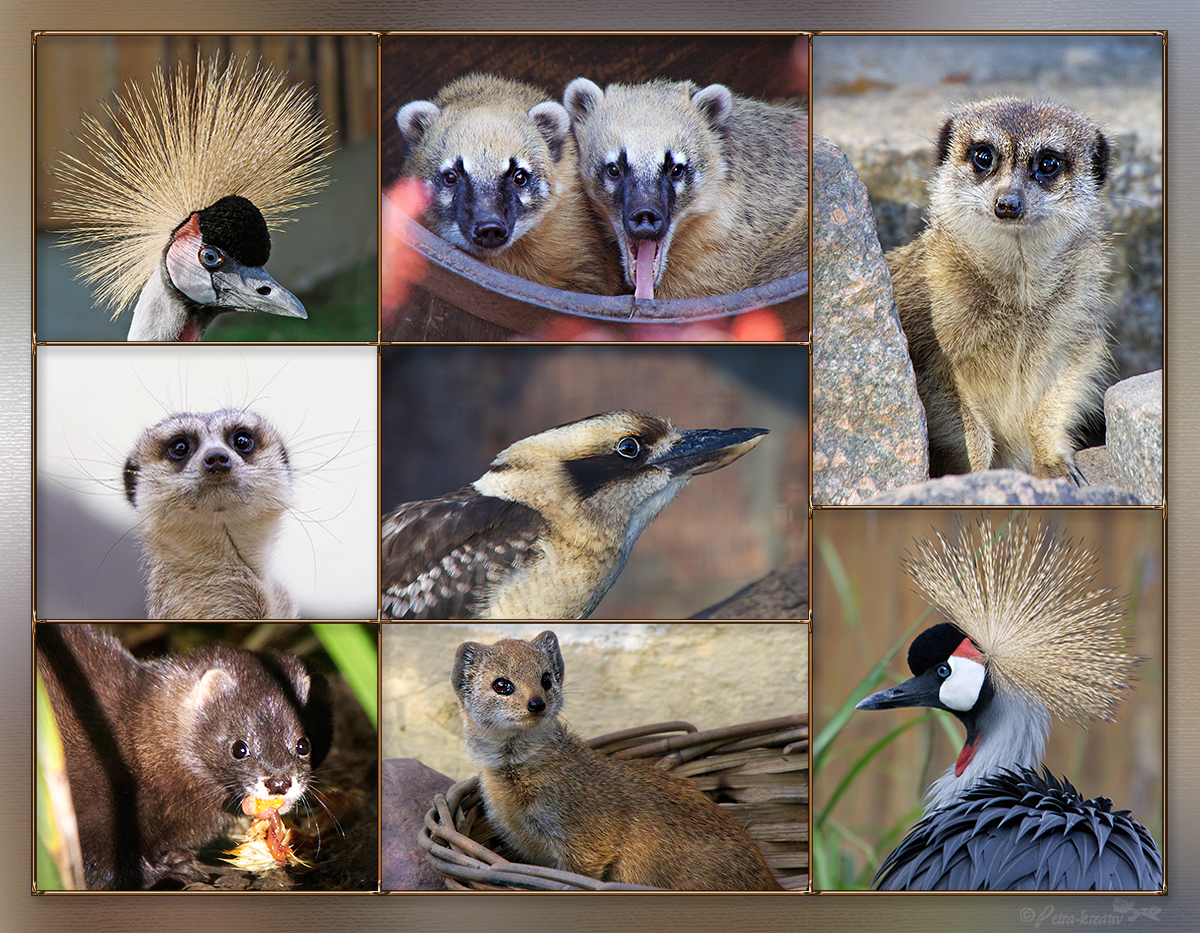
557 803
1001 297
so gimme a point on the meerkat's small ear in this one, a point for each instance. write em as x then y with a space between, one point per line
466 658
1100 156
944 137
547 644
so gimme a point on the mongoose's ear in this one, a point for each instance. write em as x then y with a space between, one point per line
715 104
1100 160
469 654
547 644
553 123
581 97
414 119
943 144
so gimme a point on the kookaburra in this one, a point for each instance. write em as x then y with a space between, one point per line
175 202
546 530
1031 638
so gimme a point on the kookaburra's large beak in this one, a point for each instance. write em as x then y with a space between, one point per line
706 450
251 288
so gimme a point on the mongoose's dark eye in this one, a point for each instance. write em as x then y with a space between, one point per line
239 749
629 447
449 177
983 157
943 671
303 747
547 681
676 171
502 686
211 257
178 448
1047 164
520 178
612 170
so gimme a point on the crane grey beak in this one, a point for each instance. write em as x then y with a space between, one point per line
706 450
251 288
922 690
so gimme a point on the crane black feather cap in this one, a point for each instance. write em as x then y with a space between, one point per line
1025 597
194 137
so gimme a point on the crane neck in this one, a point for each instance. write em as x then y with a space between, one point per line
163 312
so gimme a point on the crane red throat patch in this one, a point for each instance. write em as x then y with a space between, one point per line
965 756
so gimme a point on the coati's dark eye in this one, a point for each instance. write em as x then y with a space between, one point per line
178 448
676 171
1047 164
520 178
243 441
983 157
628 447
449 177
547 681
612 170
502 686
943 671
239 750
303 747
211 257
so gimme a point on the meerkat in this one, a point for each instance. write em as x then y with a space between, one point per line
210 490
500 167
558 803
705 191
1001 297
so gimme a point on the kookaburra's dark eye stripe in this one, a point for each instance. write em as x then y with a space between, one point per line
589 475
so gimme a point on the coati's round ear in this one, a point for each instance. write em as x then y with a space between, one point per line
1100 156
465 659
715 103
547 644
581 97
414 119
553 123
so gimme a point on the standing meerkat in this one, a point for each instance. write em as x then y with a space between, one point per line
210 490
558 803
500 167
705 191
1001 296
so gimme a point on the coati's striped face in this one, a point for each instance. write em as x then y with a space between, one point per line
1013 171
492 170
650 158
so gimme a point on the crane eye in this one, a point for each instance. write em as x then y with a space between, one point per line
178 448
628 447
503 686
943 671
211 257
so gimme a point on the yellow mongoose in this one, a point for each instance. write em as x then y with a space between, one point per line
210 490
705 191
499 164
557 803
1001 297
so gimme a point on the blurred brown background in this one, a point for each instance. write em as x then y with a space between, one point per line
447 411
1123 760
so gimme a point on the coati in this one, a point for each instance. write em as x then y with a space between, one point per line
1001 297
557 803
500 167
161 753
706 191
210 490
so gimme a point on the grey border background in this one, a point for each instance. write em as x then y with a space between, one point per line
19 911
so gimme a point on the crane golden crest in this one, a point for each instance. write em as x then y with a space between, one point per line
193 137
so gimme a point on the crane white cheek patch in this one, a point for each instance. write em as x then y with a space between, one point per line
183 264
961 689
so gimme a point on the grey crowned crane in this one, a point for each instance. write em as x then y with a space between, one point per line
174 203
1030 639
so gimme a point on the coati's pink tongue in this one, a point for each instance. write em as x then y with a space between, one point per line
643 270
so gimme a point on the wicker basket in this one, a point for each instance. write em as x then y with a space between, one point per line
758 772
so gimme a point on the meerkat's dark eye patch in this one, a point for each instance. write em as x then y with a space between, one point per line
179 447
982 156
1047 164
242 440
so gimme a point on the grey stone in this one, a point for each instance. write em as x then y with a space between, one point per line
868 423
408 788
1133 416
781 594
1002 487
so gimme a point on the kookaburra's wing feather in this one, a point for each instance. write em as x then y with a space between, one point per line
441 555
154 157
